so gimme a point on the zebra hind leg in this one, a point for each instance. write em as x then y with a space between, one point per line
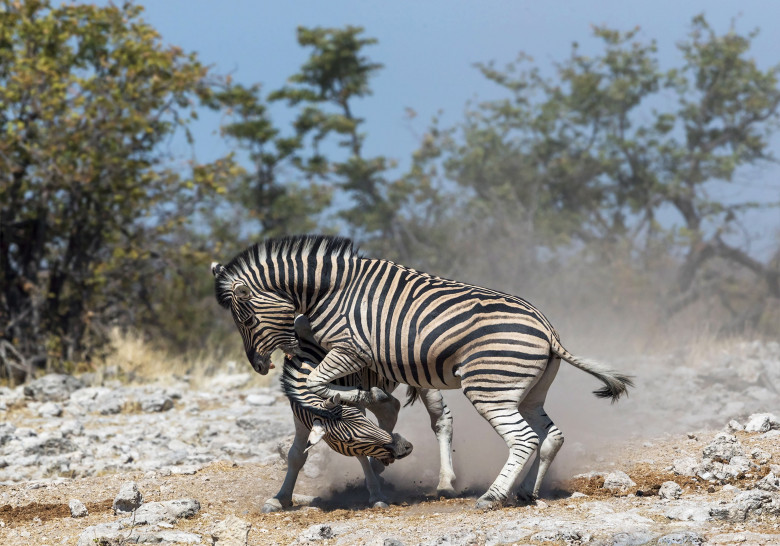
551 442
441 423
532 409
508 422
296 458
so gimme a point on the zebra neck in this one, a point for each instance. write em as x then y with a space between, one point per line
329 307
325 288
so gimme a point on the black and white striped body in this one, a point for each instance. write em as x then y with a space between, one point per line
409 327
309 409
347 430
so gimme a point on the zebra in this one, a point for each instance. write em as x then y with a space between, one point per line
314 420
346 430
410 327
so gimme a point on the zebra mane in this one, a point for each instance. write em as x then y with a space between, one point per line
293 375
258 253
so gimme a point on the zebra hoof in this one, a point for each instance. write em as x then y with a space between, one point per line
272 505
524 497
446 492
488 503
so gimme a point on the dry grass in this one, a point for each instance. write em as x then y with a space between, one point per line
132 358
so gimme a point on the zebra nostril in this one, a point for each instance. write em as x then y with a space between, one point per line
401 447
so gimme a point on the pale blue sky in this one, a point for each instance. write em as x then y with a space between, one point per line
428 49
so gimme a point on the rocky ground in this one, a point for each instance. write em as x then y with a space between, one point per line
693 456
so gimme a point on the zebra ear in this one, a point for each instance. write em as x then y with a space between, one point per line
216 269
317 433
333 402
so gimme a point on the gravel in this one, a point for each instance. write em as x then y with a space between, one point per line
206 459
119 428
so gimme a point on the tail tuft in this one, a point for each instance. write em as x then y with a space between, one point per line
615 386
412 395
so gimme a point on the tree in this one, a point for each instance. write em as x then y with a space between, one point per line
607 149
325 90
264 198
88 97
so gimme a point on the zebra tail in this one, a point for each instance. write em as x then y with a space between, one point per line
615 383
412 395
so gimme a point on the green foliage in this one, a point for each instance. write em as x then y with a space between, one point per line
580 167
576 160
87 96
274 205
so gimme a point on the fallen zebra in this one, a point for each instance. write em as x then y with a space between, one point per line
346 429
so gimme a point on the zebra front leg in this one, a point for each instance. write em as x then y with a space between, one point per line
441 423
338 363
375 496
296 458
386 413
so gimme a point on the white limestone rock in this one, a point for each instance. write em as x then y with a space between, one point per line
723 448
687 512
760 456
685 466
71 428
749 503
316 533
735 426
156 403
128 499
770 482
569 536
761 422
683 537
618 482
232 531
53 387
50 409
670 490
154 513
77 508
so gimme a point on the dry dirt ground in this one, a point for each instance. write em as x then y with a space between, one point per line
217 444
37 513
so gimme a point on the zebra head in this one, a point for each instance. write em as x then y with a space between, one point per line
265 319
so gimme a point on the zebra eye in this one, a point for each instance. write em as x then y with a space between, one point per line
242 292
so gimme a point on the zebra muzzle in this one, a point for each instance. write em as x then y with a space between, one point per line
261 363
400 448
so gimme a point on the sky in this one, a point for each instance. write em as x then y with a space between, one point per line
428 49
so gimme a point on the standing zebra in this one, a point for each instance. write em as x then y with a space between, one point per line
412 328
